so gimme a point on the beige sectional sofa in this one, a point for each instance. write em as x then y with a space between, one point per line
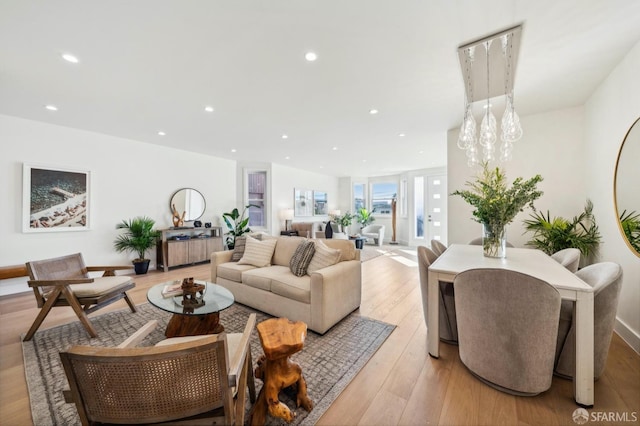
320 299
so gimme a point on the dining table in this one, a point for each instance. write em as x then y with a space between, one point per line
458 258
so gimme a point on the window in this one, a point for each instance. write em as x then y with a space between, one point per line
359 200
382 195
256 195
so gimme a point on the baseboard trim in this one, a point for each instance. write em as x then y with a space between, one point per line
628 335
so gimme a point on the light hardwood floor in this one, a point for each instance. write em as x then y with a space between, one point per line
401 384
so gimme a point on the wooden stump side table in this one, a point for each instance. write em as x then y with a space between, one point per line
280 338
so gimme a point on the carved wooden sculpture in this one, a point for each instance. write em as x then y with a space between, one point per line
177 219
280 339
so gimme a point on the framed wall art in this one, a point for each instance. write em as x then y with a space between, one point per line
320 203
303 202
55 199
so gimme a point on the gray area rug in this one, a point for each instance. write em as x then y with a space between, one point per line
329 361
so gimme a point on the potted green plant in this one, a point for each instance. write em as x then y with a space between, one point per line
364 217
139 238
553 234
344 221
496 204
630 223
237 224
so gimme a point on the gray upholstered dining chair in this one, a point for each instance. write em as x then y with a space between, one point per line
569 258
507 328
438 247
448 328
478 242
606 280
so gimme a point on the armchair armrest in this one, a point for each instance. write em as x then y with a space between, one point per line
53 283
139 335
109 271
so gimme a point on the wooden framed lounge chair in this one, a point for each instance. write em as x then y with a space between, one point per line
65 281
183 380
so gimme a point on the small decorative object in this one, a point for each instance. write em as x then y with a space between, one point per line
394 203
207 224
178 220
197 224
496 205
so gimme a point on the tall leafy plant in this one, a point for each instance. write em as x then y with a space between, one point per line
553 234
139 237
364 217
237 224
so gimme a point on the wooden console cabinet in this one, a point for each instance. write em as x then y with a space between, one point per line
187 245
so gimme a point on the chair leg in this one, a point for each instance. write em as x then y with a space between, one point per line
129 302
84 319
44 311
251 380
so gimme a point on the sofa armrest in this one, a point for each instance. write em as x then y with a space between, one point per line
218 258
336 291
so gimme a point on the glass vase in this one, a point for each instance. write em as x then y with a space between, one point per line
494 240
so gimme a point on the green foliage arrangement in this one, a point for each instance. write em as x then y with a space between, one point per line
630 223
553 234
237 224
364 217
345 220
495 203
139 238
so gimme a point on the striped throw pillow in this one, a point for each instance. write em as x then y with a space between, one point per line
323 257
301 258
241 243
258 253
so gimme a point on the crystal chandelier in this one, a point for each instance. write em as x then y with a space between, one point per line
488 67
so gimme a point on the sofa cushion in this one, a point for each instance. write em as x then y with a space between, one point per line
302 257
346 247
233 271
258 253
292 287
285 248
323 257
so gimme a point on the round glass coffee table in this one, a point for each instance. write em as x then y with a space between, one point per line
192 314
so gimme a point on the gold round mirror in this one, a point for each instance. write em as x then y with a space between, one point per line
626 188
188 201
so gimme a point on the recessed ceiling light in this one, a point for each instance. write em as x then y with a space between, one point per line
233 150
70 58
208 108
51 107
335 148
402 135
161 133
364 161
287 157
373 111
285 136
310 56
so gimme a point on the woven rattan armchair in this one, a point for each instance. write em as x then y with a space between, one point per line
180 380
65 281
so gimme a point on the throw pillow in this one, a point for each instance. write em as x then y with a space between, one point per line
323 257
238 248
301 258
258 253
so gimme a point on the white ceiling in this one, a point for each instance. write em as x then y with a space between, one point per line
151 65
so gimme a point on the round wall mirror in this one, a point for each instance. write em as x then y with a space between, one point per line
188 201
626 188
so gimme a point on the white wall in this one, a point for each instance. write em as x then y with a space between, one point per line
552 146
128 179
609 113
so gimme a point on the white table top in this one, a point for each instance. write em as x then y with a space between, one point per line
462 257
